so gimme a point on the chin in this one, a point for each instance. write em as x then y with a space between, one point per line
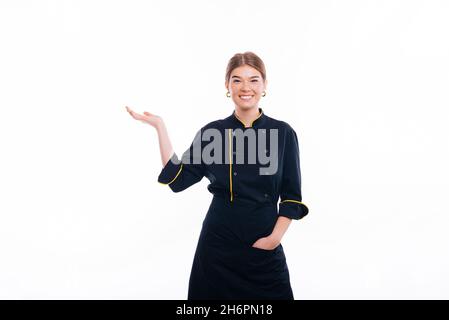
246 106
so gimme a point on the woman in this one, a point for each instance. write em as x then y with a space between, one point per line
239 254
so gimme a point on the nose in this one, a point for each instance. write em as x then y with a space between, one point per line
245 86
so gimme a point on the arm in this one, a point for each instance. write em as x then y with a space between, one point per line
291 205
279 229
165 146
178 174
274 239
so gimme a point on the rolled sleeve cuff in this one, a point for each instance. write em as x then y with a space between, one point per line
171 170
293 209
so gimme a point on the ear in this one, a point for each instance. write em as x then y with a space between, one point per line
266 83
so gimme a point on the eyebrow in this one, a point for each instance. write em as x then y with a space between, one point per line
250 77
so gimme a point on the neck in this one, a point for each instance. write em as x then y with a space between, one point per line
247 116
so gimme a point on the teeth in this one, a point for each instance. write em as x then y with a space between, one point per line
246 97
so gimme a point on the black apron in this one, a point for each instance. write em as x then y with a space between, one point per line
226 266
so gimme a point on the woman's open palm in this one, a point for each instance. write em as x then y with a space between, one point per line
146 117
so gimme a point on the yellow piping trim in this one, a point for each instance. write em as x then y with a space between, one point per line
260 114
230 163
239 119
179 171
292 201
256 118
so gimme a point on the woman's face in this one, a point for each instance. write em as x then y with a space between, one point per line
246 86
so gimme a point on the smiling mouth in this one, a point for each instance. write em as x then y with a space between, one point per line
246 97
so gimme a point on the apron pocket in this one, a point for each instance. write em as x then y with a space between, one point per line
263 251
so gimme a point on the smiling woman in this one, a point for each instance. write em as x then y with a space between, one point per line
246 83
239 254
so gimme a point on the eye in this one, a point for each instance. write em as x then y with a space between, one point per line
255 80
236 80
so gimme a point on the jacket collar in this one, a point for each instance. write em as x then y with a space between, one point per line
256 122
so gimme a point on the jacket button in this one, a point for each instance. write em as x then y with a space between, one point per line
265 195
235 173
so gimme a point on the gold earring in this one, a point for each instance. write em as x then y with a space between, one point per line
228 94
264 94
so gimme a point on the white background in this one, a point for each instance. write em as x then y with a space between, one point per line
363 83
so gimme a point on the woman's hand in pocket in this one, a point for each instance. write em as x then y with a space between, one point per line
266 243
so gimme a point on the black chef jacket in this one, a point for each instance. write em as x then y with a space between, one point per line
243 180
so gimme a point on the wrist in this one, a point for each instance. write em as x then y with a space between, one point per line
160 125
275 237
